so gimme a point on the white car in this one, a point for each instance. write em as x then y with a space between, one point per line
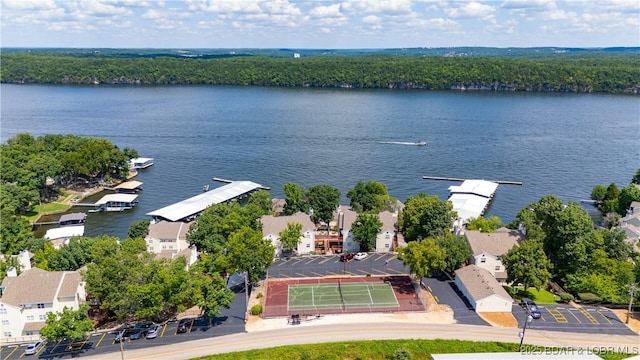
361 256
153 332
32 349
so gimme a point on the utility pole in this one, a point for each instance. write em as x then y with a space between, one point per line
632 293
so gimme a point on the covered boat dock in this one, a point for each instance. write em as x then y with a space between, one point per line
116 202
188 209
472 197
129 187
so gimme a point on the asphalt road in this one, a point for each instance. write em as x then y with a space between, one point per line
374 331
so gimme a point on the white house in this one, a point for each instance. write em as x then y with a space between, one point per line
384 239
487 249
630 224
482 290
273 225
167 236
346 217
27 298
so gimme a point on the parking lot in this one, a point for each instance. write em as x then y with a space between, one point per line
230 321
586 319
445 292
330 265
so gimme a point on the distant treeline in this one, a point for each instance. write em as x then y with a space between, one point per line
619 74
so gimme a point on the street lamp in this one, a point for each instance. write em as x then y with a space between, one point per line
524 328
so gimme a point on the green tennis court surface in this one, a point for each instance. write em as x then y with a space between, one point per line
341 296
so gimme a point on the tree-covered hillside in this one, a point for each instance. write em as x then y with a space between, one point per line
615 74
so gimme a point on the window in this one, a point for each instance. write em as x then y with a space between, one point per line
483 260
498 268
308 245
30 318
7 334
28 332
5 322
498 257
42 317
386 246
40 306
387 236
3 310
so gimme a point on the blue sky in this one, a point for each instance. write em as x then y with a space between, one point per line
314 24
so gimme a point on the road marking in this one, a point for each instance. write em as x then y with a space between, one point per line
429 288
301 275
393 257
281 262
317 274
332 273
164 328
589 316
437 300
100 341
558 316
11 353
56 345
574 315
310 261
190 326
605 317
380 257
325 260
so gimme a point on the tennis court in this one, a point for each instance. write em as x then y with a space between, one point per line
341 296
352 294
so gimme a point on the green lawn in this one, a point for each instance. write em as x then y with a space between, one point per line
540 297
45 208
376 350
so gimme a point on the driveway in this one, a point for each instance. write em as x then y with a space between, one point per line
445 292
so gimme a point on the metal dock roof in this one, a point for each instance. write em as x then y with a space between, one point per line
129 185
198 203
123 198
64 232
472 197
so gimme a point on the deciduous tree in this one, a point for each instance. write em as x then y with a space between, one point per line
247 251
69 324
485 225
365 229
527 263
368 196
426 216
294 200
290 237
456 248
324 200
423 257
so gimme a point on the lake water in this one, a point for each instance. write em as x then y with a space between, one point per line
562 144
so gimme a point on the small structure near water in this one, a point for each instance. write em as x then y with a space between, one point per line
115 202
72 219
129 187
140 163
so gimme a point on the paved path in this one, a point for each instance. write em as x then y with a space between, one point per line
370 331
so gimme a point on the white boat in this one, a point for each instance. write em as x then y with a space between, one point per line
140 163
421 143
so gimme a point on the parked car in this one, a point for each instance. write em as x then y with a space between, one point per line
127 334
531 307
182 326
153 332
361 256
143 325
137 334
346 257
32 349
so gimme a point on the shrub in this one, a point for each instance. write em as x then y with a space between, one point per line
259 295
589 298
401 354
566 297
256 309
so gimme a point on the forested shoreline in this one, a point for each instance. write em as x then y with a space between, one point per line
616 74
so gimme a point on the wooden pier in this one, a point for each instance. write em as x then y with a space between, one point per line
505 182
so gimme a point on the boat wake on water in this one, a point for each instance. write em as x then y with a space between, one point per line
414 143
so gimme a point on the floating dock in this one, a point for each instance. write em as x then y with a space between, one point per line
502 182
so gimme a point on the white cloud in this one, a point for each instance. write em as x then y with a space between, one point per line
29 4
378 6
326 11
468 10
225 6
101 8
282 7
